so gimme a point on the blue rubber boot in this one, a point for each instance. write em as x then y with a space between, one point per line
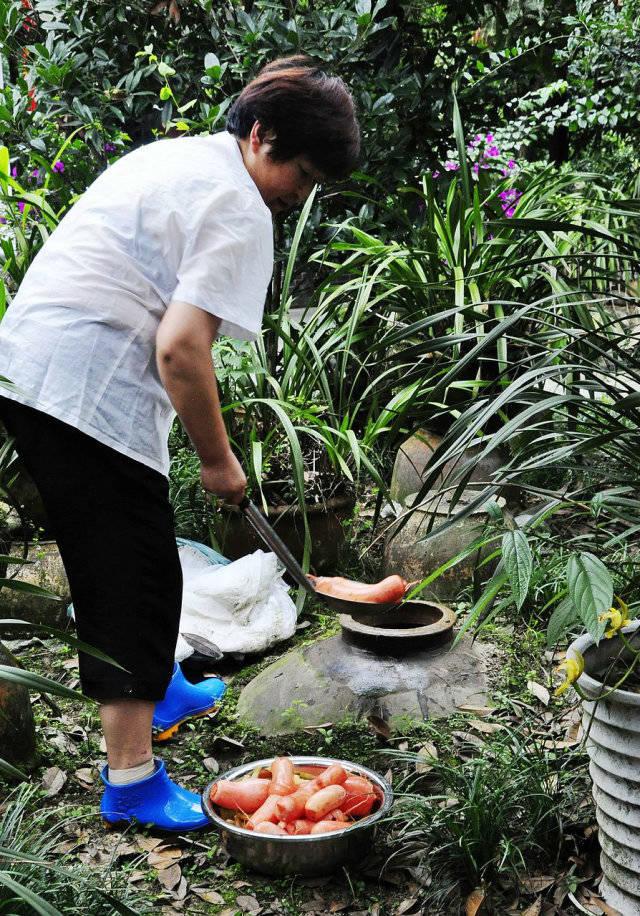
183 701
154 801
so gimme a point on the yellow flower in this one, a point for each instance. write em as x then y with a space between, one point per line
573 669
619 618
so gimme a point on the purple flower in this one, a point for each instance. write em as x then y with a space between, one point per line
58 166
14 171
21 206
109 147
489 138
475 168
477 140
450 166
492 151
35 173
3 221
511 164
510 194
509 199
435 174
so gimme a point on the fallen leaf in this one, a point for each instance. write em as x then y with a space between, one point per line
407 904
428 752
537 883
582 909
248 904
85 776
474 901
208 896
63 743
487 728
469 738
65 846
476 710
170 877
163 858
539 691
337 906
211 765
534 909
137 876
53 780
379 726
574 732
551 745
148 843
181 891
605 907
403 746
94 858
229 743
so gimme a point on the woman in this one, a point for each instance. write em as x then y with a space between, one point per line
108 336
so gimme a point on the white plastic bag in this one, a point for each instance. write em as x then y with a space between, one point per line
243 606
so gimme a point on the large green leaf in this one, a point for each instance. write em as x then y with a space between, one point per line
29 589
7 769
518 561
590 589
37 682
564 616
64 637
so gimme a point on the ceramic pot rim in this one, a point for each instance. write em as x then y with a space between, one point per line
592 686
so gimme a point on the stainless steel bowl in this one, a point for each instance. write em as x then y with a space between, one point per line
300 855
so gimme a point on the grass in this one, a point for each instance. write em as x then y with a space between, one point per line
485 819
34 836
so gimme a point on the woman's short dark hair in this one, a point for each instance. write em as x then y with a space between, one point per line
310 113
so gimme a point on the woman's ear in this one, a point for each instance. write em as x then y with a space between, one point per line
259 135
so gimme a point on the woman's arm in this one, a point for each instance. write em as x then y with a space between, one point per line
183 356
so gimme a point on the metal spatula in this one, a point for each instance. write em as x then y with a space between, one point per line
356 609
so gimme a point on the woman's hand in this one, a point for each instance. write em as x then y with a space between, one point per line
224 478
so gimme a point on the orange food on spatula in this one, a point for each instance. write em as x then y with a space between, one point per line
391 590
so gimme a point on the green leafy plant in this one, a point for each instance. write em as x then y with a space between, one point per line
32 878
477 818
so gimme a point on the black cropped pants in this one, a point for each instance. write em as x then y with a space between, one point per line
113 523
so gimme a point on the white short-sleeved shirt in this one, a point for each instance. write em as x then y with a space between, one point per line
175 220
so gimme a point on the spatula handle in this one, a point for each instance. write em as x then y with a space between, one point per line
262 527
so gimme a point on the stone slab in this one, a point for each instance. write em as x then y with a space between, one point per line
331 679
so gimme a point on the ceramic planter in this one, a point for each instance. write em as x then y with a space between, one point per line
237 538
612 727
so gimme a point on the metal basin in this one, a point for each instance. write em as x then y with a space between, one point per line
301 855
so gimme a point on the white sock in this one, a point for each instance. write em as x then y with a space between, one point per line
131 774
